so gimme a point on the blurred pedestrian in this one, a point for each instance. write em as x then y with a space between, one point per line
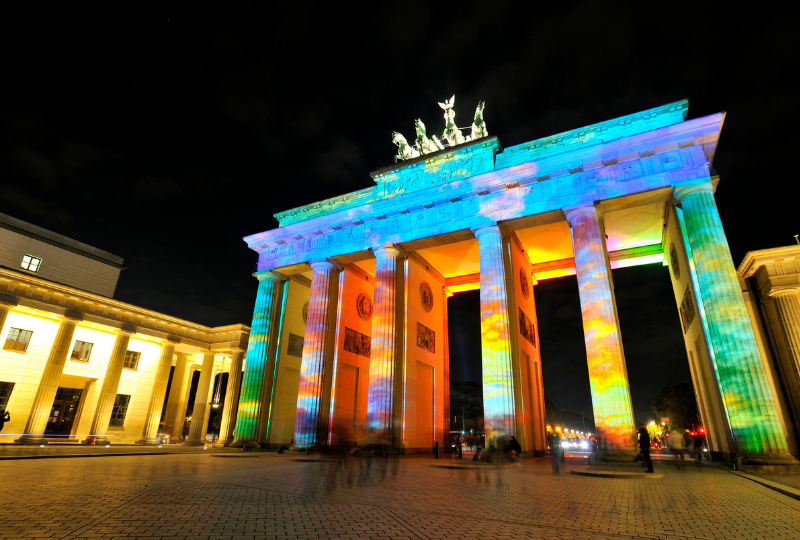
514 449
5 417
644 447
554 442
697 443
676 446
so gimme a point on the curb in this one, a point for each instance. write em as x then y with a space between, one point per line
780 488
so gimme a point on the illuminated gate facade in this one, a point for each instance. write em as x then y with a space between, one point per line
349 335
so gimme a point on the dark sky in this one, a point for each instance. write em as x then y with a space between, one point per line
164 136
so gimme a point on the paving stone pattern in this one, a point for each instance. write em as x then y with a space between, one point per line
202 497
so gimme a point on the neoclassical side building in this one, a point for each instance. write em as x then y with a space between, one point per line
78 366
349 334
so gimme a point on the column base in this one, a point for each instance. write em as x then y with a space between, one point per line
770 459
243 443
614 458
195 443
223 444
149 442
31 440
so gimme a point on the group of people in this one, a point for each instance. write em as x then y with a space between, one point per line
679 443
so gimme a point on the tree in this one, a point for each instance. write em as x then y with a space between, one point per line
678 403
466 397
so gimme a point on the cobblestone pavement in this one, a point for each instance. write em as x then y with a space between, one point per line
268 496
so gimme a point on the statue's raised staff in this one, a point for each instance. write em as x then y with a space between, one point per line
451 133
424 144
404 150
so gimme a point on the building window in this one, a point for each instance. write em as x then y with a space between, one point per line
81 351
131 360
5 393
31 263
119 410
18 339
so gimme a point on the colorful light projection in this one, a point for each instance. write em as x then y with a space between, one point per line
312 370
251 400
608 377
748 400
498 382
383 361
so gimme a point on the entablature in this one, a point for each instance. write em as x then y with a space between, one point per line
602 170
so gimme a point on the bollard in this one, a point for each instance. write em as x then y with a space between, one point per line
437 449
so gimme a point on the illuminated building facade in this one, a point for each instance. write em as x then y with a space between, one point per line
78 366
364 279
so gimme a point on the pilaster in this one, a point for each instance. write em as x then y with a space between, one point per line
608 375
48 384
748 399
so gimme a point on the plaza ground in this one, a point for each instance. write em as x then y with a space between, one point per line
197 496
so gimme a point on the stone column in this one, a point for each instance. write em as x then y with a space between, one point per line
197 436
608 376
150 431
265 318
749 403
108 392
383 361
176 402
498 380
48 384
312 371
446 372
231 399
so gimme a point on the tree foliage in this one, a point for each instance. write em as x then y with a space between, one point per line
678 403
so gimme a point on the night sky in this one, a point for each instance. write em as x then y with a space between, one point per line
165 137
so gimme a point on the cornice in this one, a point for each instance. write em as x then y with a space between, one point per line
753 260
45 295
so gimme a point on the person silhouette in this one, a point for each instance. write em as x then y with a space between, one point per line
5 417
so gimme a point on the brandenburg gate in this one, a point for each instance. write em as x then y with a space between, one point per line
349 340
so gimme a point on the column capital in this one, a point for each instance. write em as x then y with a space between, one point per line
387 251
271 275
785 290
488 229
681 191
69 315
127 330
576 212
322 264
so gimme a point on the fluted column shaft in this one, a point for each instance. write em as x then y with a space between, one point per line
197 435
176 403
150 431
312 371
748 399
788 304
383 360
608 376
48 384
231 399
251 403
108 392
498 381
446 360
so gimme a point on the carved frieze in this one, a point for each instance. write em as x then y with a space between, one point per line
356 342
426 338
